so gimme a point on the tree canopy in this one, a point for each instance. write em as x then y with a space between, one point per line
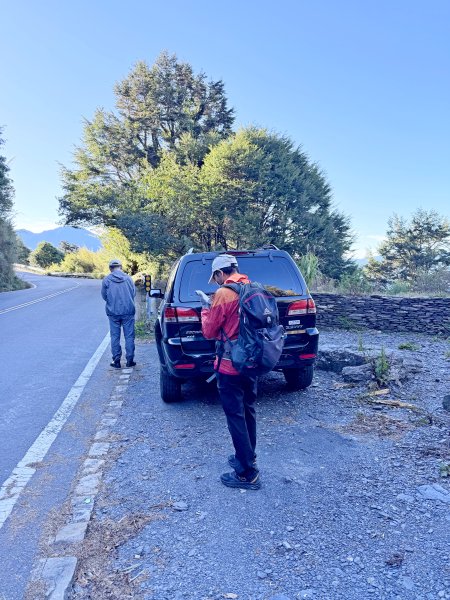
45 255
167 170
166 107
254 188
412 247
6 187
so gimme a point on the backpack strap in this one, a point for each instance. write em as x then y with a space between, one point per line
220 351
236 287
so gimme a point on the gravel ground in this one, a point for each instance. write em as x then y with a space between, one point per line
341 514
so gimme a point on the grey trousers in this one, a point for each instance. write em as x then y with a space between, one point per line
126 322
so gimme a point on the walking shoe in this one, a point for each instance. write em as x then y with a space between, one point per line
131 363
234 463
234 480
115 364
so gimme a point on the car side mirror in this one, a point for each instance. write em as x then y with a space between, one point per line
156 294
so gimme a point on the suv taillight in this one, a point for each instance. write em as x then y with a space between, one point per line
311 306
302 307
170 315
182 315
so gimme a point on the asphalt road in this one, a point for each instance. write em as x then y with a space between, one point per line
47 336
44 346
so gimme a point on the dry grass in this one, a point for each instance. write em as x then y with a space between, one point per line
95 573
375 424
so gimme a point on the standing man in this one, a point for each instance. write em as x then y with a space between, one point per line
118 290
220 321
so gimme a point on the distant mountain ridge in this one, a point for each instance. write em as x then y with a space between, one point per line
74 235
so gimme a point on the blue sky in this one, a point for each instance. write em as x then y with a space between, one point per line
363 87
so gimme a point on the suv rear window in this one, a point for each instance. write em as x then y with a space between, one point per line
276 273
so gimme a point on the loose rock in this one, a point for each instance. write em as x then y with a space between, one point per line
180 506
434 492
446 402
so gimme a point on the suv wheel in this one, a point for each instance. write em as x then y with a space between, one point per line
170 386
299 379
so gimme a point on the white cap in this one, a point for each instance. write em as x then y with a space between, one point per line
115 262
221 262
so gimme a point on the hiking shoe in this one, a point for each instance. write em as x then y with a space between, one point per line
234 463
234 480
131 363
115 364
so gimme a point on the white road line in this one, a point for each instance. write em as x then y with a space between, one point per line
5 310
25 469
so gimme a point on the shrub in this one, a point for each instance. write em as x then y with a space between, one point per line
344 322
355 283
382 368
408 346
81 261
397 288
323 284
309 266
360 343
433 282
7 254
23 253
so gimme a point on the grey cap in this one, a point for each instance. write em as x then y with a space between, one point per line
115 262
221 262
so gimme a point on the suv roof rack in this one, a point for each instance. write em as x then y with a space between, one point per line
269 247
237 252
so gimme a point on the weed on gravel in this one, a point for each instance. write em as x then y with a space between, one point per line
93 579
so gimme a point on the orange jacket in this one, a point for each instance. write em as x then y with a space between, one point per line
224 314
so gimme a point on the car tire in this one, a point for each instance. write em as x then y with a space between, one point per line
299 379
170 386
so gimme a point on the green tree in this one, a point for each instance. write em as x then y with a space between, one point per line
45 255
8 240
253 188
6 187
163 107
23 253
412 247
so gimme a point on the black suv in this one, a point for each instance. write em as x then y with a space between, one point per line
183 351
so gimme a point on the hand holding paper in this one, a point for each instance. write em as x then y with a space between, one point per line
205 300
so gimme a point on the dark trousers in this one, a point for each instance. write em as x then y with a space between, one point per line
238 395
126 322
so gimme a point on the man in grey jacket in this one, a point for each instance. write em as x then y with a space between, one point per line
118 290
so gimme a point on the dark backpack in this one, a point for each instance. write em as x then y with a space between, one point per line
261 337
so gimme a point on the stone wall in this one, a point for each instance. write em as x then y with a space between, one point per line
424 315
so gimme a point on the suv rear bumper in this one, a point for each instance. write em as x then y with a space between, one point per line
187 366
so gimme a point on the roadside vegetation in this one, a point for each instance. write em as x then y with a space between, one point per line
414 260
10 246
